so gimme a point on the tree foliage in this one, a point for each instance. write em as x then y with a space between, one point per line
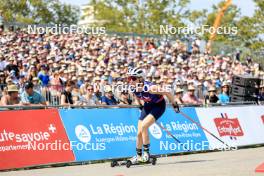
39 11
143 17
140 16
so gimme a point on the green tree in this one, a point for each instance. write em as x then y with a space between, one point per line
251 29
39 11
258 26
114 15
228 21
198 17
140 16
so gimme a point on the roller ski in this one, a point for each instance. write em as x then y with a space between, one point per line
140 160
123 162
115 163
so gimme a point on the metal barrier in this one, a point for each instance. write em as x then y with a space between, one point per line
11 107
52 94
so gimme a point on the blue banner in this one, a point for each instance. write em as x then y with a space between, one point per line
191 137
97 134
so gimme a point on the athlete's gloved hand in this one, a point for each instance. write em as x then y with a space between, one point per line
176 107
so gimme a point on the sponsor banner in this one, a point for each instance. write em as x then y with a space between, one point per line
236 126
111 133
191 137
101 133
32 137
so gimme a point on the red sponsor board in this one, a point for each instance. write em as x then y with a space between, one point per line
228 127
32 137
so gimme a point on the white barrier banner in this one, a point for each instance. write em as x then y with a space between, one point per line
236 126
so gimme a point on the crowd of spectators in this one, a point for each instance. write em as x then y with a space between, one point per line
51 69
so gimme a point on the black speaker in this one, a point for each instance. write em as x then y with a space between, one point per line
244 88
243 91
235 98
246 81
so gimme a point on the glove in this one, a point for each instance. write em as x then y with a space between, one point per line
176 107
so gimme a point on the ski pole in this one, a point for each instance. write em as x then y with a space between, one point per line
189 118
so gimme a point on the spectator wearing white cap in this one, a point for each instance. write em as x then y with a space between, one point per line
108 98
189 97
224 95
179 95
36 83
211 97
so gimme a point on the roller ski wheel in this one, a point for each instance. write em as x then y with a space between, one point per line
153 161
128 163
113 163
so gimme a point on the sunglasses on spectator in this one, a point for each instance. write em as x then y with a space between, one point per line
90 89
133 78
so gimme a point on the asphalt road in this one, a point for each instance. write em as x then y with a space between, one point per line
229 163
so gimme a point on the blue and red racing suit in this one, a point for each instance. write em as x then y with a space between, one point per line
153 103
